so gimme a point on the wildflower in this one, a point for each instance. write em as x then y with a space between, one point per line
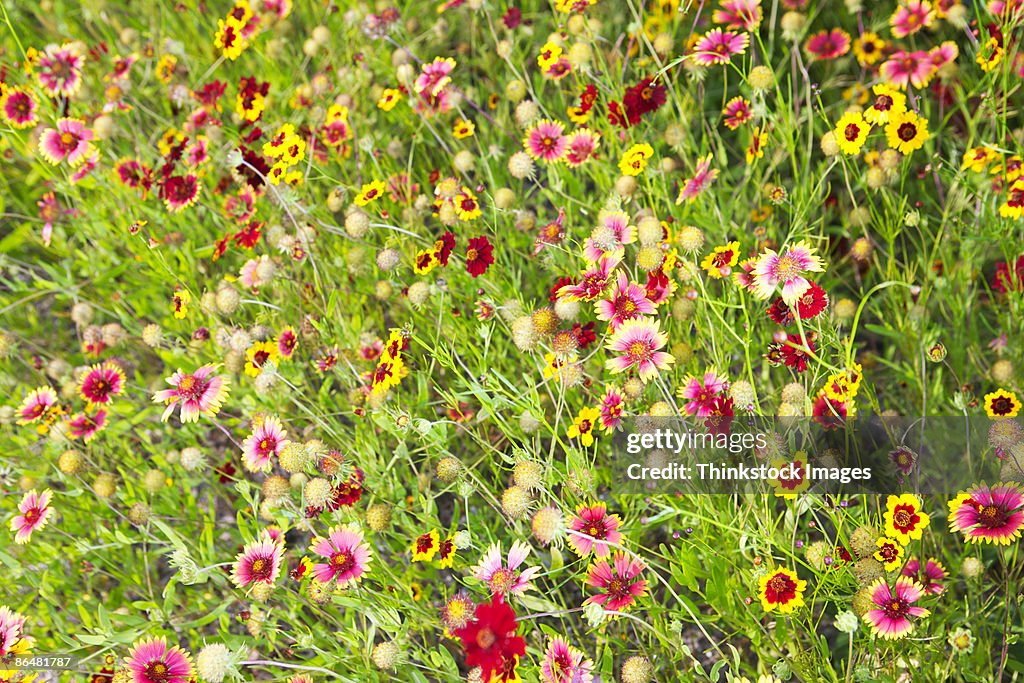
617 582
720 261
904 519
582 427
780 589
505 579
85 426
287 341
701 180
479 256
179 302
388 99
786 269
152 661
893 608
581 146
889 552
702 393
69 141
200 392
739 14
792 477
611 409
595 530
961 640
348 558
737 112
259 562
990 514
369 192
868 48
38 404
490 639
426 546
1001 404
638 341
545 141
434 77
593 281
990 53
910 17
549 55
100 383
717 47
1013 207
388 373
628 301
11 627
906 132
60 70
851 131
35 513
457 612
908 68
755 150
18 108
180 192
635 159
563 663
929 575
266 440
463 128
888 103
446 552
828 45
467 207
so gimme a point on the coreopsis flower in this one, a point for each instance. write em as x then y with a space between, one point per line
929 575
70 141
425 546
549 55
638 342
718 47
1001 404
617 582
739 14
893 607
889 552
18 108
628 301
446 552
389 98
1013 207
582 427
851 132
718 264
792 477
101 383
369 192
229 39
152 661
545 141
990 53
259 355
267 439
635 159
810 305
60 70
434 77
910 17
11 626
388 373
737 112
563 663
490 639
906 132
868 48
758 139
198 393
904 519
701 180
479 256
780 589
259 562
701 393
828 45
463 128
179 303
348 558
989 514
594 529
506 578
35 512
40 404
787 269
643 98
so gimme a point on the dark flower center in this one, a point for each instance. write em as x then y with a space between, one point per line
992 516
907 132
157 672
896 608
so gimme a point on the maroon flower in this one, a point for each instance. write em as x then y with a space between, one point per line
644 97
444 246
479 256
490 639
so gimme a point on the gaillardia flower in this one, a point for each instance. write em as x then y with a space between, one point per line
259 562
637 341
35 513
199 393
894 607
152 661
989 514
348 558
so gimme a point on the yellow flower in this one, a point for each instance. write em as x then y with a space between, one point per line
756 148
582 427
634 161
780 589
904 519
549 55
425 547
977 158
180 302
165 68
229 38
463 128
889 102
719 262
851 132
258 355
906 132
1013 207
990 55
425 261
389 98
890 553
869 48
792 477
388 374
369 192
1002 404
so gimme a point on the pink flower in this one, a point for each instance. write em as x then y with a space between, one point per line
35 513
434 77
60 70
929 576
18 108
563 663
611 408
991 514
100 383
902 67
594 280
259 562
703 393
39 404
910 17
617 582
628 300
826 45
739 14
612 233
580 146
11 625
86 427
894 607
703 176
638 342
595 529
68 141
200 392
505 579
348 558
786 269
736 112
718 47
267 440
180 192
545 141
151 661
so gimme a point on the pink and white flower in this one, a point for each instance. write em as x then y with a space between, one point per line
152 661
930 575
563 663
266 440
628 301
11 626
259 562
580 146
739 14
894 607
434 77
612 233
60 70
989 514
545 141
35 513
617 582
718 47
703 176
199 392
638 342
702 394
69 141
38 405
594 280
348 558
101 383
594 529
786 270
505 578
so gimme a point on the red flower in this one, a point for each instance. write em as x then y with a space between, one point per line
616 116
810 305
585 335
644 97
490 639
792 352
444 246
587 98
479 256
1005 280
